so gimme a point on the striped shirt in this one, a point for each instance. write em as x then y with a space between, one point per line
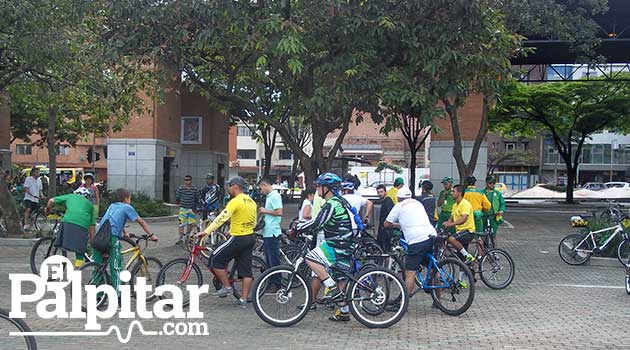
187 197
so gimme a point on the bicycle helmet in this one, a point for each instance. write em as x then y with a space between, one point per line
427 185
347 185
471 180
82 191
329 180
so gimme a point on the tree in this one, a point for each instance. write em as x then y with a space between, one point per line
569 112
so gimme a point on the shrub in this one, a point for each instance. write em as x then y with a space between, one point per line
145 205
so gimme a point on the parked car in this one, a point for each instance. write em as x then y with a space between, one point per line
622 185
369 191
594 186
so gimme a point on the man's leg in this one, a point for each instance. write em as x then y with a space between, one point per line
271 245
27 214
460 248
218 265
410 281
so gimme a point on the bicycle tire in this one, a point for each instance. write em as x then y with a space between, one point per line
379 301
172 267
94 280
492 257
258 268
138 268
623 251
21 326
627 278
259 288
454 288
570 243
43 224
47 249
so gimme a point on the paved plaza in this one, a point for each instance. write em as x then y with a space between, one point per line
550 305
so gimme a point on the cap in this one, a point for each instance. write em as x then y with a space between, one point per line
447 179
399 181
491 180
88 175
209 176
404 193
237 180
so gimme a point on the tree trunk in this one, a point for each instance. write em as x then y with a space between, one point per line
52 153
8 211
310 174
571 174
268 155
412 171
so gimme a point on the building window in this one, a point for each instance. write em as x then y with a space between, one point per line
510 146
246 154
23 149
284 154
524 146
63 150
243 131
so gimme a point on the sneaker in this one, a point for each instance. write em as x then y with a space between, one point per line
392 307
223 292
313 307
462 284
340 317
240 302
333 294
26 227
470 259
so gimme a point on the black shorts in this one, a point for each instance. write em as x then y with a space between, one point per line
30 205
238 248
464 237
72 237
416 254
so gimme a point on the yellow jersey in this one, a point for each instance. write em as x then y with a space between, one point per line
478 200
393 194
241 210
460 209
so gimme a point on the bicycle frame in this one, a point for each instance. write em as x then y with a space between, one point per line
433 264
618 229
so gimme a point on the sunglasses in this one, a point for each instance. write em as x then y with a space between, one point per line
187 179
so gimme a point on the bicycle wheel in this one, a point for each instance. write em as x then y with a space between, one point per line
496 269
628 280
45 224
569 244
456 287
43 248
213 242
623 251
286 306
369 295
93 274
8 325
179 273
393 264
149 269
258 267
293 253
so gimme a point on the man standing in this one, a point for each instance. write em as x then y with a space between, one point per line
187 197
241 211
497 203
478 200
408 216
210 196
361 204
392 193
383 237
272 212
445 202
32 195
428 200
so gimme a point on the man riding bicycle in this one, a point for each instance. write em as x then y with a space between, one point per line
210 196
335 220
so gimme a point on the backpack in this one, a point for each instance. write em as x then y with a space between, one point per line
102 240
355 214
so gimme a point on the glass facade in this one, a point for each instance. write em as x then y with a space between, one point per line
592 154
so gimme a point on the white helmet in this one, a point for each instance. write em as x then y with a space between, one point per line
404 193
82 191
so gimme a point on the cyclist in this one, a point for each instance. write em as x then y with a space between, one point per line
428 200
187 197
445 202
497 209
241 211
77 223
462 219
335 220
94 197
210 196
409 216
358 202
478 200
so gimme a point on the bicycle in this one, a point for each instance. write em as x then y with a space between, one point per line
368 293
627 284
212 241
577 248
45 247
145 266
9 325
179 271
490 262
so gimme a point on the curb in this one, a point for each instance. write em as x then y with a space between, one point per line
158 219
17 242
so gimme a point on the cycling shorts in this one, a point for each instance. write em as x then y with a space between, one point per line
238 248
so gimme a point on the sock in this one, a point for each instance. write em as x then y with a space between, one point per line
344 309
329 282
463 252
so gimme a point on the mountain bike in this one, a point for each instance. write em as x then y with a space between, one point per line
212 241
93 273
577 248
185 271
17 342
628 277
45 247
368 292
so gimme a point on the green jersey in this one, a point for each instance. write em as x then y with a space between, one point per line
79 210
496 200
448 199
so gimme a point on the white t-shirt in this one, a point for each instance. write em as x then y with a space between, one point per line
356 201
305 204
413 220
33 187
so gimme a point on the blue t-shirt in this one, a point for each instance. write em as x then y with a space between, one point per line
118 213
272 222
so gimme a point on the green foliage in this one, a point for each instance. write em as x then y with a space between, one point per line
144 205
384 165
